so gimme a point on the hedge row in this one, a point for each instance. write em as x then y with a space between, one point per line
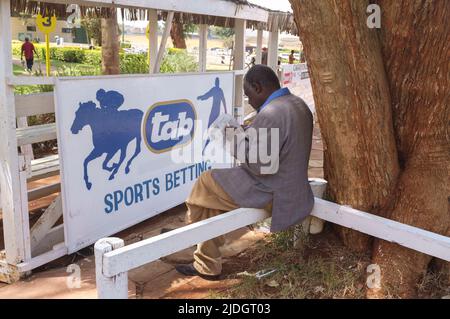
65 54
177 60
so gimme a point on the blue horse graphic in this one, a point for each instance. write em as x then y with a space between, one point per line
218 98
112 130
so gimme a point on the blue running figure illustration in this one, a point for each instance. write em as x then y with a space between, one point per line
218 97
112 130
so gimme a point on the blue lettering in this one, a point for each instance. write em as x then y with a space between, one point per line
109 204
176 179
169 182
129 196
147 187
155 186
138 193
118 197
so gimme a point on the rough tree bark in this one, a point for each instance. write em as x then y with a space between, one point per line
110 43
383 106
177 35
415 41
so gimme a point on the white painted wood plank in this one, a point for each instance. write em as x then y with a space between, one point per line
9 164
408 236
43 191
30 80
25 215
34 104
204 7
36 134
162 46
58 251
109 287
218 8
45 160
140 253
53 237
46 221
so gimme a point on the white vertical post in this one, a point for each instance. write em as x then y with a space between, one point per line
259 42
203 47
9 164
153 38
239 59
272 58
162 46
311 224
109 287
25 216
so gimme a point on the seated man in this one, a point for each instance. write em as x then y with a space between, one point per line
281 187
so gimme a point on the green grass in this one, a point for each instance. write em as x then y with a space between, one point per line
18 70
318 269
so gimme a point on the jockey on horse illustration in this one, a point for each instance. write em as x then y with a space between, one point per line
112 130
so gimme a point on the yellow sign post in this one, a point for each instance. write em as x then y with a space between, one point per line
46 25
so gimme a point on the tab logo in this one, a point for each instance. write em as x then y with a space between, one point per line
168 125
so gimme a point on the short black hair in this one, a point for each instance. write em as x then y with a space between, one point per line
263 75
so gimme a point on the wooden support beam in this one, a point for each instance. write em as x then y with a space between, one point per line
272 57
109 287
162 46
53 237
36 134
239 60
203 47
43 225
153 38
148 250
43 191
259 43
10 186
34 104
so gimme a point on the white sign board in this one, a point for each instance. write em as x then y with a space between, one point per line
120 140
292 74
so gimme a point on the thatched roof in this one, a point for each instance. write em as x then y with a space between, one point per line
284 20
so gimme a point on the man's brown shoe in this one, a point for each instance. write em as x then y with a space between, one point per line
189 270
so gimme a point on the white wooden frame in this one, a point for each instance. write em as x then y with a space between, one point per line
25 248
113 260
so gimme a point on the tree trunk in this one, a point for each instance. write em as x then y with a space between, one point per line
177 35
353 106
383 107
415 41
110 43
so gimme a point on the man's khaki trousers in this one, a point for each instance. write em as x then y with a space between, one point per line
208 199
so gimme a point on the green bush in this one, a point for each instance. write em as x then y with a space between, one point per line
93 57
178 61
133 63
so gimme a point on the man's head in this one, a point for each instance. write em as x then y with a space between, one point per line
27 39
217 82
292 51
259 83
